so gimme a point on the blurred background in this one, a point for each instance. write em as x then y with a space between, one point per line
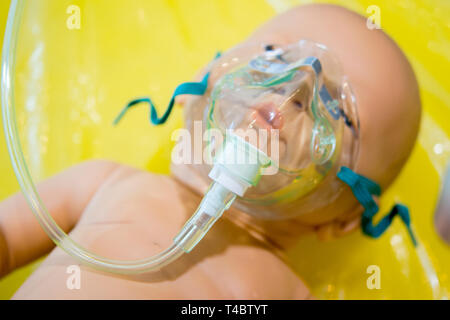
72 81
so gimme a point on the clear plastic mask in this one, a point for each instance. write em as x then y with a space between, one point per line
299 92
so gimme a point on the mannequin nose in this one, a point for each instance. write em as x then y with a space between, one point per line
268 116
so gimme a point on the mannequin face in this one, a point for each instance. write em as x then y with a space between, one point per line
383 83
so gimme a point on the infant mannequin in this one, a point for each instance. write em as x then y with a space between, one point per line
124 213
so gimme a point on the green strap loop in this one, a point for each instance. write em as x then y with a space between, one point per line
363 189
194 88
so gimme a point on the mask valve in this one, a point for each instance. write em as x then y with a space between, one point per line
237 167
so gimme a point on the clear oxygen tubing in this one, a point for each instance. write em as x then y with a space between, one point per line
216 201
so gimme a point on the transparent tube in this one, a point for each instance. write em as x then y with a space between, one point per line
23 176
216 201
184 242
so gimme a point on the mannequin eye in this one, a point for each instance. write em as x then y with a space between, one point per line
298 103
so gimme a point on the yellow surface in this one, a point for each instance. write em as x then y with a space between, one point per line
71 84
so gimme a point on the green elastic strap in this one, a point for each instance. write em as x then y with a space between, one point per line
194 88
363 189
